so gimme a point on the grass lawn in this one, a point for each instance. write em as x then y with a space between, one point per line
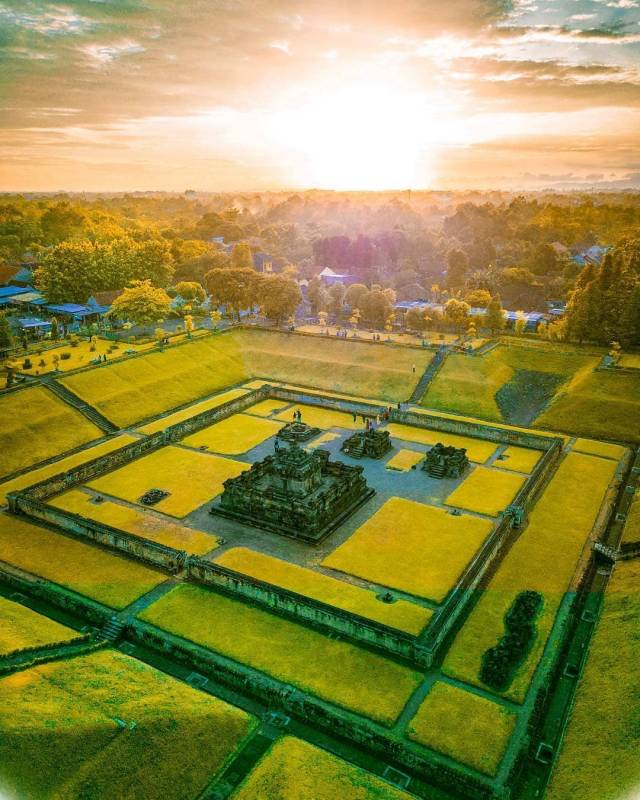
403 460
487 491
35 425
598 405
604 449
234 435
21 627
463 726
542 559
478 450
518 459
295 770
336 671
324 438
186 413
266 407
112 580
630 361
59 735
63 465
322 418
357 368
140 522
599 758
79 356
402 615
134 389
191 477
412 547
631 531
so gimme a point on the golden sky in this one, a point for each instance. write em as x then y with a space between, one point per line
227 95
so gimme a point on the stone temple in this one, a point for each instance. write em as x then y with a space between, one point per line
295 493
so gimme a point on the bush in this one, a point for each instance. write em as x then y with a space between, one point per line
500 662
65 356
42 363
26 364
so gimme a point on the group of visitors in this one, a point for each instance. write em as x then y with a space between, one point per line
371 422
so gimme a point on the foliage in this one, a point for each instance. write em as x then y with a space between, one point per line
401 615
390 547
6 336
486 491
376 308
456 312
235 288
500 661
478 298
279 297
141 303
191 291
241 257
336 671
457 266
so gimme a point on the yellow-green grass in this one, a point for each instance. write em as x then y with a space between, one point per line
358 368
140 522
518 459
20 628
60 737
186 413
336 671
191 477
112 580
403 460
335 395
295 770
63 465
598 405
79 356
135 389
599 758
604 449
463 726
486 491
402 615
542 559
630 361
412 339
631 532
323 418
324 438
234 435
478 450
412 547
266 407
35 425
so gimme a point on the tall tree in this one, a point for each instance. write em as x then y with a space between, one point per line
233 288
279 297
494 318
456 313
241 257
6 335
142 303
457 266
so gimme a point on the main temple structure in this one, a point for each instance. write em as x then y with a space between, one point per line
295 493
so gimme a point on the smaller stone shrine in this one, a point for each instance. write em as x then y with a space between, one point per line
445 462
297 432
295 493
372 444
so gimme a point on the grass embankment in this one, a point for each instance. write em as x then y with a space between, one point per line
140 522
36 425
463 726
79 356
542 559
631 532
478 450
266 408
190 477
411 547
402 615
295 770
191 411
138 388
604 449
486 491
323 418
234 435
110 579
356 368
518 459
599 758
20 627
63 465
106 725
335 671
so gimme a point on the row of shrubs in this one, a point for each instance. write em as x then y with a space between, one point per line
500 662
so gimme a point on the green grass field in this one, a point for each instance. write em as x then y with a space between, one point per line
336 671
60 736
20 627
35 425
599 759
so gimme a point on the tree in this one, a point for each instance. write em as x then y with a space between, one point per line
241 257
376 308
55 330
416 319
354 294
478 298
521 322
279 297
152 261
234 288
6 335
336 298
191 291
69 273
456 312
317 296
457 266
141 303
494 318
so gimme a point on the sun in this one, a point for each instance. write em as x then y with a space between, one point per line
368 136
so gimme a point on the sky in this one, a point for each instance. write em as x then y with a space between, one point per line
232 95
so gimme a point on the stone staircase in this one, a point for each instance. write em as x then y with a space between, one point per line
84 408
112 629
429 374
